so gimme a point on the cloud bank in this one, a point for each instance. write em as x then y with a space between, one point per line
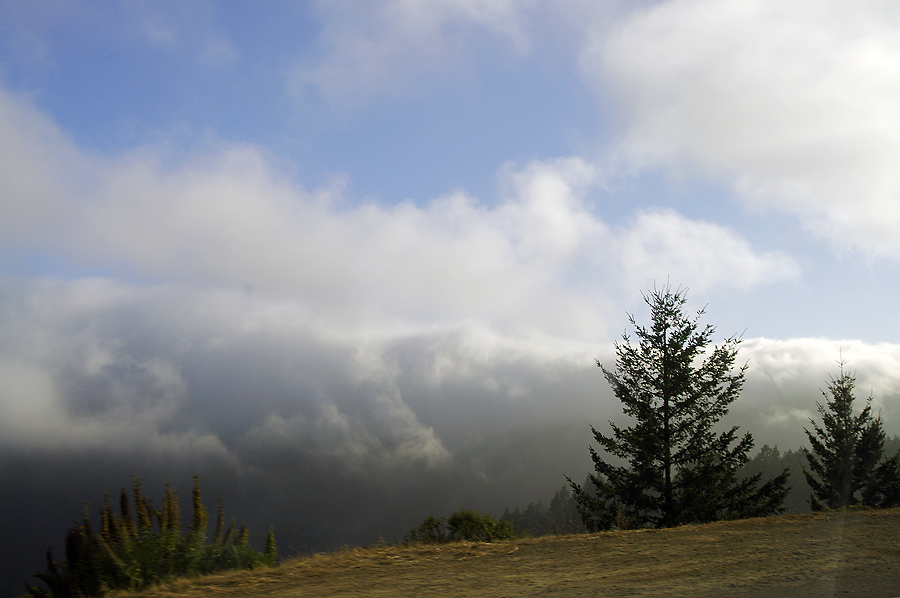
169 373
228 218
794 105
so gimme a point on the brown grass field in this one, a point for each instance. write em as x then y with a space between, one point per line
852 553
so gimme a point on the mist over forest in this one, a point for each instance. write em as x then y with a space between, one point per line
333 442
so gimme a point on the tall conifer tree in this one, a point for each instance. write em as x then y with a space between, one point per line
677 467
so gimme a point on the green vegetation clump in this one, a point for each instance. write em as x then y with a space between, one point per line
462 525
145 546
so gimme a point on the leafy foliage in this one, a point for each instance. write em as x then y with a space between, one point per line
678 469
462 525
431 531
133 554
845 463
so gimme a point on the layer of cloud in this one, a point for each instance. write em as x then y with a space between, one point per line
177 374
540 261
794 104
787 378
365 326
92 364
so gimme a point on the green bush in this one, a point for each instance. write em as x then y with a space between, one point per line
430 531
478 527
132 552
465 525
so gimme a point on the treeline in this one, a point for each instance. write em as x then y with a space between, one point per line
561 516
770 461
142 545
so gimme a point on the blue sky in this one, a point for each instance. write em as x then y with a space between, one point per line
148 71
393 224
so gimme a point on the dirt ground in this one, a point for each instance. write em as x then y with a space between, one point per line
854 553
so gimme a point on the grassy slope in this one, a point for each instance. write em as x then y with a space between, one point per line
805 555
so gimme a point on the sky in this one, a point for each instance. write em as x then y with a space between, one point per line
353 262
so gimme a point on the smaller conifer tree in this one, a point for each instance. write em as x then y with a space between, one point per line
845 464
270 552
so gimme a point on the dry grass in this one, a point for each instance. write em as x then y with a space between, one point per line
801 555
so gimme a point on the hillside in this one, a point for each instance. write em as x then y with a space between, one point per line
824 554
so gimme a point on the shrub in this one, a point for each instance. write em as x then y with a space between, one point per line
466 525
130 555
430 531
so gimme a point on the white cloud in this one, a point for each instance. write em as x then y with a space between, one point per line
546 214
356 443
663 244
94 400
343 293
389 47
875 365
38 167
539 262
796 104
96 365
27 397
786 379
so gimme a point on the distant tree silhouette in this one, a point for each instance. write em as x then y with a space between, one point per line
678 469
845 462
563 511
770 463
561 517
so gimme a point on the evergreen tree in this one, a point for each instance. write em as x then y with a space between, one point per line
200 516
679 468
845 464
563 511
270 552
